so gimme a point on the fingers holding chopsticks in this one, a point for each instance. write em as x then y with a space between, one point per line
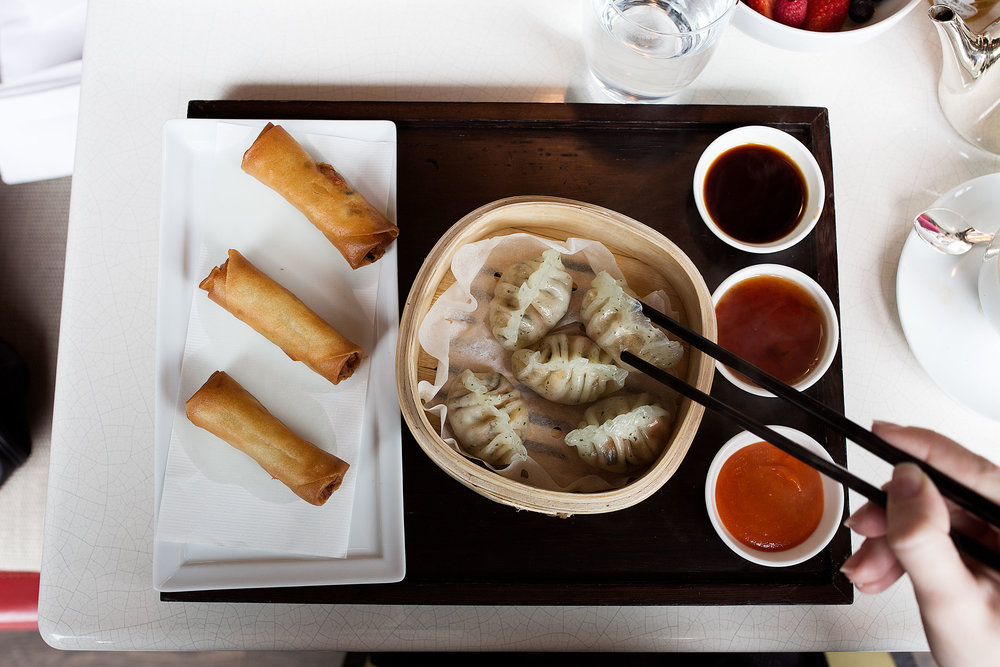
917 532
959 599
950 458
945 455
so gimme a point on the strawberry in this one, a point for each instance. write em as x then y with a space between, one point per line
765 7
791 12
826 15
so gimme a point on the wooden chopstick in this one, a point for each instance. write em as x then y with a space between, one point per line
963 496
832 470
957 492
838 473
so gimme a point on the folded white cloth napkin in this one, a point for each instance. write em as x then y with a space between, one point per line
41 49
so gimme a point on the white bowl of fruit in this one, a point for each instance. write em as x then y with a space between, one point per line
818 25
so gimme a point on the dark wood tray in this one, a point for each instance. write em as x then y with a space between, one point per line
638 160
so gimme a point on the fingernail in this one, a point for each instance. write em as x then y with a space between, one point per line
862 586
849 522
906 480
848 567
878 423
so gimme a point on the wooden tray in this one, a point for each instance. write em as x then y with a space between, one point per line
639 160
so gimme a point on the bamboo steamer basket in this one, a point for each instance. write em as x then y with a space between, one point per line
648 260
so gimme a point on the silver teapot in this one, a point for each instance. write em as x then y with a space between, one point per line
969 90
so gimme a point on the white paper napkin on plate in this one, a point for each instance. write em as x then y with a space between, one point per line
212 493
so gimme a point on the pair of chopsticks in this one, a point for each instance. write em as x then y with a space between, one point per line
963 496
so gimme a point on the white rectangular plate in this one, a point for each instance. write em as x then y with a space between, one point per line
376 546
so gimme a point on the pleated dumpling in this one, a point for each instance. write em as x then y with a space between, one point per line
488 417
613 319
622 433
568 369
529 299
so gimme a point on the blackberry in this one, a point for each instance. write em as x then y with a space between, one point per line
861 11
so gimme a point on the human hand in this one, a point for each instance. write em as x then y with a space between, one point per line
959 600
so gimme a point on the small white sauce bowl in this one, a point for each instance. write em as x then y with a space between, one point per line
830 322
829 523
794 150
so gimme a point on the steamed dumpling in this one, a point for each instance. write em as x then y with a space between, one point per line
529 299
613 319
568 369
622 432
488 417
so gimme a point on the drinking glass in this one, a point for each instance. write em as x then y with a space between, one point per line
647 50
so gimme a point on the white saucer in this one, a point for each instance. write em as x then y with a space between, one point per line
938 304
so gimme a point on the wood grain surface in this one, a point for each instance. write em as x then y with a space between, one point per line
638 160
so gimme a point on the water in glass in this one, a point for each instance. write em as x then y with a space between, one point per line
644 50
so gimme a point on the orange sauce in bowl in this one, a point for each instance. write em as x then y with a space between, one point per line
767 499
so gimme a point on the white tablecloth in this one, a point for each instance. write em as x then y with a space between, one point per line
893 153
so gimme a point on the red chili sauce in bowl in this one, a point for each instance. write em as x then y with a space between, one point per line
774 324
768 500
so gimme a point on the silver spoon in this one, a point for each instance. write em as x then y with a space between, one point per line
947 231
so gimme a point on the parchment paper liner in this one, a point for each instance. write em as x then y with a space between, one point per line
455 332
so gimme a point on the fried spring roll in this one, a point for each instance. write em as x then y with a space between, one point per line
353 225
224 408
278 315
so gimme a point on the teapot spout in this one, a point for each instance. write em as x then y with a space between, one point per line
969 89
973 53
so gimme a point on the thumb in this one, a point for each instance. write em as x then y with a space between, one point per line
917 531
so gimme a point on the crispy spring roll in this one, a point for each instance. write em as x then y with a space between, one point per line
224 408
278 315
353 225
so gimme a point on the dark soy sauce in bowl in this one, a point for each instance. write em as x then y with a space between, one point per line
755 193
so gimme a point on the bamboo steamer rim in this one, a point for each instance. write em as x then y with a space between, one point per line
437 265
